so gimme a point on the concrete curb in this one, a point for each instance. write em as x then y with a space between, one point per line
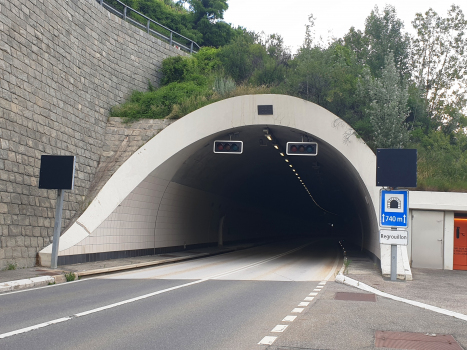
354 283
46 280
27 283
145 264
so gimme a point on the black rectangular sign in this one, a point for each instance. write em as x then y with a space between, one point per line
265 110
396 167
57 172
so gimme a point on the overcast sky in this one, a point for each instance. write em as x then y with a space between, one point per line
333 17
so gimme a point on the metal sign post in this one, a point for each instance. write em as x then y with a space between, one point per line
394 215
57 228
393 262
395 168
57 172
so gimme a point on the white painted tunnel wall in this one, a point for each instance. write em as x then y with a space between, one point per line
97 226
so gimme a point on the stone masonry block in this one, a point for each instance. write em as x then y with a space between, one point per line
16 253
8 253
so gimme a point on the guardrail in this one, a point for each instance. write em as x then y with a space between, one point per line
162 32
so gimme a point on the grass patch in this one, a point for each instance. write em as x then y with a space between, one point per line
70 276
12 266
346 265
176 100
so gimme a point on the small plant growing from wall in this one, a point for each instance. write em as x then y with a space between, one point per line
11 266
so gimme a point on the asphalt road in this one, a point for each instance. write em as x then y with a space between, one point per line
229 301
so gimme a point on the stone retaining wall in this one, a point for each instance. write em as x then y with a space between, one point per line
63 64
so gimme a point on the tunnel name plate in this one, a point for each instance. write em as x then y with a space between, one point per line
391 237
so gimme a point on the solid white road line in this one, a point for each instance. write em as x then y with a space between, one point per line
333 269
37 326
110 306
354 283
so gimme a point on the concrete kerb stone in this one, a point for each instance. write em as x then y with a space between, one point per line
26 283
42 281
354 283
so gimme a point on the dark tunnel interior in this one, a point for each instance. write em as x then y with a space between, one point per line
266 184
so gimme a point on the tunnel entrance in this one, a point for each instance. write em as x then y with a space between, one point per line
270 194
175 191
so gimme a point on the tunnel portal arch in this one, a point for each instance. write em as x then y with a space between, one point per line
156 170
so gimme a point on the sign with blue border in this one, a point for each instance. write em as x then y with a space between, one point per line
394 208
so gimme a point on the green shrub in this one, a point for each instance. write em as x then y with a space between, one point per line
157 104
70 276
223 85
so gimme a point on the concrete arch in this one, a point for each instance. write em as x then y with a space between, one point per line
160 158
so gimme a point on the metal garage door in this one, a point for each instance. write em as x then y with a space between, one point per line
427 239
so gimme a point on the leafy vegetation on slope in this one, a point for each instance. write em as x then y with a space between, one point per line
393 89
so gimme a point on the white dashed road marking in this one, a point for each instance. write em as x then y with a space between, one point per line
267 340
297 309
141 297
279 328
289 318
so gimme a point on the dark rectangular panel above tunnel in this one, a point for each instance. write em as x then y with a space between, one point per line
396 167
265 110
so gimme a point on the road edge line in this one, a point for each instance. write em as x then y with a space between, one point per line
354 283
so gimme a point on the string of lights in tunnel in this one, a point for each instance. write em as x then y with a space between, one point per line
304 148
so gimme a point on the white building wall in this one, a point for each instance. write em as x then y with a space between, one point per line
448 203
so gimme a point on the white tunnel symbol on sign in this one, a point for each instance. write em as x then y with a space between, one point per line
394 203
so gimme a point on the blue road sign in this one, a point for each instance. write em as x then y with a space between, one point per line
394 208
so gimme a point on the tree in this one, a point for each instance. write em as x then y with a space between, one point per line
383 35
440 65
242 57
209 9
309 32
358 43
387 109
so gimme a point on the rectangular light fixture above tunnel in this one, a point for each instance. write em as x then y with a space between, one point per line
302 149
229 147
